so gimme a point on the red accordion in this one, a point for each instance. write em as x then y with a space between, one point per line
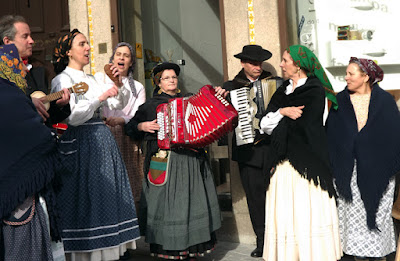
195 121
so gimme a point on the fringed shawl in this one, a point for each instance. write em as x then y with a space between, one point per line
302 141
376 148
27 152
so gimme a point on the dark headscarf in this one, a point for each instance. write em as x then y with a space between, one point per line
11 66
306 60
369 67
131 68
60 57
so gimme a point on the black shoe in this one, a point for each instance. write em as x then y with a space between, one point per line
258 252
126 256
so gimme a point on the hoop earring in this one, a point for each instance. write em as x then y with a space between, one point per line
159 91
178 91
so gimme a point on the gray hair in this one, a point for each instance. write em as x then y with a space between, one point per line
131 68
7 28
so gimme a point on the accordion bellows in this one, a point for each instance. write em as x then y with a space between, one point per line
195 121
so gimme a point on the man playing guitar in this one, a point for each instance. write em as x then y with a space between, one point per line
15 30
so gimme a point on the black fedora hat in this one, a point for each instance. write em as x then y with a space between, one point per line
166 66
254 53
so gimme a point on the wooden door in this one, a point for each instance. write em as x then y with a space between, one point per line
115 22
48 20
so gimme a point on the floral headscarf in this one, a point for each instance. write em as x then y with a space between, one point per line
60 57
307 60
11 66
374 72
131 68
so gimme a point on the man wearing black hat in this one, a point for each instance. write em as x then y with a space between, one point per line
250 156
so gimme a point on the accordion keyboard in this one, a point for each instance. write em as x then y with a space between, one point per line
244 131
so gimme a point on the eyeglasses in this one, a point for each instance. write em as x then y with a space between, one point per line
168 78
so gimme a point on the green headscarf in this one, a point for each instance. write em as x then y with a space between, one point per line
307 61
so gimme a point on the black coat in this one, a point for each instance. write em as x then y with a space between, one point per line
249 154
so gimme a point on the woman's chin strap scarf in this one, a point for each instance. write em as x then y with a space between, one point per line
131 68
307 60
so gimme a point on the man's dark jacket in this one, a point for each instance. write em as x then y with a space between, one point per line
249 154
37 81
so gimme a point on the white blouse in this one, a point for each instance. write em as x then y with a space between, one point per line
132 102
84 106
272 119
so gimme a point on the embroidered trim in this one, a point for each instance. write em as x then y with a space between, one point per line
26 220
101 227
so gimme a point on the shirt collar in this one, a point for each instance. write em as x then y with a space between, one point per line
300 82
75 72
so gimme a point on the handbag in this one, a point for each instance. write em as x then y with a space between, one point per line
158 171
23 214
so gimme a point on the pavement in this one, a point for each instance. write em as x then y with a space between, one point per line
224 251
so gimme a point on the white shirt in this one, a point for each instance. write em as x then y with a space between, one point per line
272 119
132 102
84 106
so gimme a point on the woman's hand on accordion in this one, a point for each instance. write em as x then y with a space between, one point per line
221 91
149 126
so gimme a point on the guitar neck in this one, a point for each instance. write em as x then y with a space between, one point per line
55 95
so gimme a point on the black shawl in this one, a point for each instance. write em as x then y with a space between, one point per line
28 150
241 80
376 148
302 141
28 155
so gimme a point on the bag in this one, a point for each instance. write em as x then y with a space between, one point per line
158 173
23 214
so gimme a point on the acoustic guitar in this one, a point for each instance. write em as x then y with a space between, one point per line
79 88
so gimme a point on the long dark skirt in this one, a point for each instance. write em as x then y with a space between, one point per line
30 241
182 214
97 206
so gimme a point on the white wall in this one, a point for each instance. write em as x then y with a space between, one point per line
382 19
201 43
187 30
